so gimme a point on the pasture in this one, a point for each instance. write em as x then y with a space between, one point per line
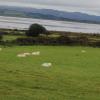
74 73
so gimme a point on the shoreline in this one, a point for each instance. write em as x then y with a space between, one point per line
51 25
51 32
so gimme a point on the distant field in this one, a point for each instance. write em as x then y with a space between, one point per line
74 74
10 37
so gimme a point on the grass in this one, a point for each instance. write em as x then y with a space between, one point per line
11 37
73 76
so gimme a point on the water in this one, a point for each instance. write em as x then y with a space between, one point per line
24 23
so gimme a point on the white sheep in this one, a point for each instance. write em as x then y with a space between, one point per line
0 49
47 64
27 54
21 55
83 51
36 53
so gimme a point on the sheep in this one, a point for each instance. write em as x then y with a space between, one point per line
47 64
0 49
27 54
21 55
83 51
36 53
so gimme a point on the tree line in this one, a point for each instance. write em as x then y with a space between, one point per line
38 35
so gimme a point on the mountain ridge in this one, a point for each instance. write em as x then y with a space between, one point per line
50 14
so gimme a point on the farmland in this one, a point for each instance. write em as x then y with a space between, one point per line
74 74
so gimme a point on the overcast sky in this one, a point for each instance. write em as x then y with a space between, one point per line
86 6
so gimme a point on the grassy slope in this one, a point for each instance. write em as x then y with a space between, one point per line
73 76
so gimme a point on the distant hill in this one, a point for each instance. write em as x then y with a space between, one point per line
48 14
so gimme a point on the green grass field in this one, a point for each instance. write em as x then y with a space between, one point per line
11 37
73 75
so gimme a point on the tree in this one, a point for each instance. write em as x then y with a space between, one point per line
35 30
1 36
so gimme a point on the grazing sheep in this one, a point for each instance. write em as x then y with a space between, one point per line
27 54
21 55
47 64
36 53
83 51
0 49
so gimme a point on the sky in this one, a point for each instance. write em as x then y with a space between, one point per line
85 6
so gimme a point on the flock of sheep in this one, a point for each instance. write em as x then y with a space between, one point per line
36 53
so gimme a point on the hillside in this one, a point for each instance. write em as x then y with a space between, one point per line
48 14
